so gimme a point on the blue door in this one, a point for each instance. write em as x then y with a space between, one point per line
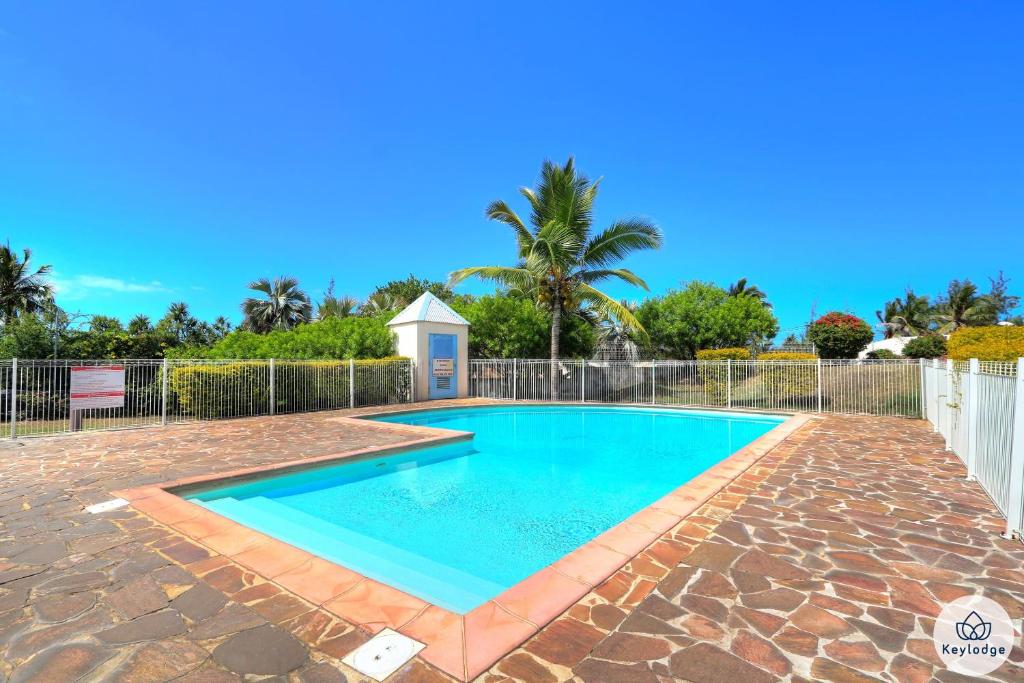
443 365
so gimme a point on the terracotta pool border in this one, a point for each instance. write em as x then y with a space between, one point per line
463 646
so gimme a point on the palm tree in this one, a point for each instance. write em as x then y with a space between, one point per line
284 307
741 288
907 317
962 306
21 290
617 340
335 306
382 302
221 327
559 258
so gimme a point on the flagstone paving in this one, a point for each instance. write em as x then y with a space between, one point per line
827 560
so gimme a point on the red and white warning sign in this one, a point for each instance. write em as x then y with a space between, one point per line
95 386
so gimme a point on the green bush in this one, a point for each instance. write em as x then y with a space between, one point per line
337 338
839 335
221 390
993 342
732 353
881 354
926 346
218 390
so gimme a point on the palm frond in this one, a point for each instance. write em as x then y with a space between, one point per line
512 278
619 240
611 308
499 211
624 274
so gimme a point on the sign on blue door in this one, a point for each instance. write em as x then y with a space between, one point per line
443 365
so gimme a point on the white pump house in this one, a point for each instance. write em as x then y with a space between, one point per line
436 338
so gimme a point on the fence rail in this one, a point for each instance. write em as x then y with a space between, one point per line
35 396
978 408
878 387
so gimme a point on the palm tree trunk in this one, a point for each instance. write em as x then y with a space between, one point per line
556 332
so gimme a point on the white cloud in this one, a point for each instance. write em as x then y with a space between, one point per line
79 287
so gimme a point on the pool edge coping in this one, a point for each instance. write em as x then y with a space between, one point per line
463 646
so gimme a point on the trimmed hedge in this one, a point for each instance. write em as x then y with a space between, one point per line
881 354
242 388
732 353
789 380
994 342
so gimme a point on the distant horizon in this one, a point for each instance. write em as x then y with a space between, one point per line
833 156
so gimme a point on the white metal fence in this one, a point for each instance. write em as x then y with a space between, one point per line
35 394
878 387
978 408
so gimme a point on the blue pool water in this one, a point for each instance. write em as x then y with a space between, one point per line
458 524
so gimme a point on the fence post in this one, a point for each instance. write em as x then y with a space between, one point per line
14 398
935 378
728 382
819 385
972 417
950 374
583 381
515 378
272 386
163 393
1015 505
351 382
654 382
923 391
412 381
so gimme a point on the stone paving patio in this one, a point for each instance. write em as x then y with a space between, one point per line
827 560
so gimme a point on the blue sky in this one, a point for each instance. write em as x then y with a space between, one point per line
831 153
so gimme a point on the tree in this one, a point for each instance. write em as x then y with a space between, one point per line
704 316
1000 298
140 324
335 306
102 324
907 317
25 336
21 289
559 258
839 335
397 294
221 327
503 326
962 306
284 307
741 288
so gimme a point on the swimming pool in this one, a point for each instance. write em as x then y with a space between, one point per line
458 524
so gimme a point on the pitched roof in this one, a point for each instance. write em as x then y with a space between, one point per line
428 308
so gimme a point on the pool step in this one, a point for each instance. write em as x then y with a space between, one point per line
420 576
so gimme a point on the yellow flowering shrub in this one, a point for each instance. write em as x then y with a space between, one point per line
994 342
733 353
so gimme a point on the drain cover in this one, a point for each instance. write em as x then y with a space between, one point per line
107 506
383 655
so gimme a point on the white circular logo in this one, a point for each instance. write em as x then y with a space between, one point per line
973 635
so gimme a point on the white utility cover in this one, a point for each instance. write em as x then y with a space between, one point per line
106 506
383 655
